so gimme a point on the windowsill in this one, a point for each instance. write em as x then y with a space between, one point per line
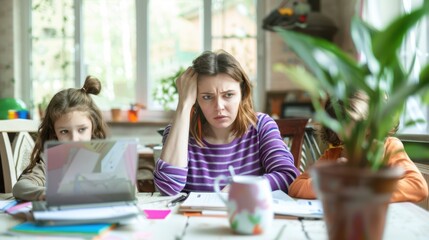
142 122
424 138
145 118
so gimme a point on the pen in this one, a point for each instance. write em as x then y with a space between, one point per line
177 200
309 218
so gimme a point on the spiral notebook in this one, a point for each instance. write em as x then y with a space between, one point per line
89 181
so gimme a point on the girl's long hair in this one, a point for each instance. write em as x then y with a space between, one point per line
63 102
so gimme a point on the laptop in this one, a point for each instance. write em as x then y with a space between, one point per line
89 177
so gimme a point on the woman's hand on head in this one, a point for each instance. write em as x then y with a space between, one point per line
187 87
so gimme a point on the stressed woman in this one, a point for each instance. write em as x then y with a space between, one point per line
215 127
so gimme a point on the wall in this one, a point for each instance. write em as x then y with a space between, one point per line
339 11
7 88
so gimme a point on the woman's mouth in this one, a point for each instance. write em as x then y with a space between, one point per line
220 117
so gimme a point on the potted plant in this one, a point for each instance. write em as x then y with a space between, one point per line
165 93
41 106
332 72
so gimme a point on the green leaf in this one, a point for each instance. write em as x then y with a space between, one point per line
362 35
413 122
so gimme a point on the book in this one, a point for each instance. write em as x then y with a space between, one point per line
199 201
75 230
85 215
210 201
202 203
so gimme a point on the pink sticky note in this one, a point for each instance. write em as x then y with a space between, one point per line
157 213
26 206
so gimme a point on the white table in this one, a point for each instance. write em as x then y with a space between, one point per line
404 221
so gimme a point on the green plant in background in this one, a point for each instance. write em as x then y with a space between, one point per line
41 106
165 92
332 72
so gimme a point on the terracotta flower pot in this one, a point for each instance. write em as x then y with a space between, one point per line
354 200
116 114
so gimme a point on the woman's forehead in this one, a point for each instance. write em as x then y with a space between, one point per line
220 81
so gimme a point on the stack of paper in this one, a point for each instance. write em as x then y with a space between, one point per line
207 203
108 214
199 201
299 208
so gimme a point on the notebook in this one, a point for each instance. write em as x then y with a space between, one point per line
89 181
208 203
79 230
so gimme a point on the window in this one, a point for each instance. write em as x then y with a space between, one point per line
173 41
109 46
416 44
234 29
130 44
52 44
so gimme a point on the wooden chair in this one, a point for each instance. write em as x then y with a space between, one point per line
16 145
292 131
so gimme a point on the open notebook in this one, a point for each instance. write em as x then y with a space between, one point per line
209 203
89 181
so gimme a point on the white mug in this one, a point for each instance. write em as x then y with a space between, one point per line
249 203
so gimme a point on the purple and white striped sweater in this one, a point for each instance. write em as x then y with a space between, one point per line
261 151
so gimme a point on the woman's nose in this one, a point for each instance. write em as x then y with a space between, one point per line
219 103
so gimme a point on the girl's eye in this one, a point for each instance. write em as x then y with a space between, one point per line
82 129
229 95
207 97
64 131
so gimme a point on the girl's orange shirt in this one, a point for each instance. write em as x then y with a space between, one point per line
412 187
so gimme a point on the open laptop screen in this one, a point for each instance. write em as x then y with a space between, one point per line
97 171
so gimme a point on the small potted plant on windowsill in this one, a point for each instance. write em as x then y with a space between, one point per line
165 92
41 106
332 72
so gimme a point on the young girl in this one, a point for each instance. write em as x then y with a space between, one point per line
411 187
70 116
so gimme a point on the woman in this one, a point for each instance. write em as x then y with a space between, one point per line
215 127
411 187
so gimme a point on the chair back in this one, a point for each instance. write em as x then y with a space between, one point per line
16 145
292 131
